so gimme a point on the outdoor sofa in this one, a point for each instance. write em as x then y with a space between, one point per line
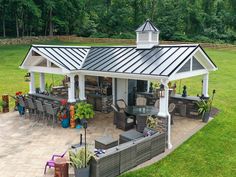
127 155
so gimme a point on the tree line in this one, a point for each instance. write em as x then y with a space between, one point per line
202 20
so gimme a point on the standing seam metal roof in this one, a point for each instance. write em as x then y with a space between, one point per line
157 61
160 60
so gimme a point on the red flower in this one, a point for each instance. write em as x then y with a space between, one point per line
18 93
63 102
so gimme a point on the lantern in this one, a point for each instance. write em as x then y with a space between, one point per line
161 93
27 77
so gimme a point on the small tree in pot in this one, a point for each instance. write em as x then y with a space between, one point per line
80 159
83 111
204 108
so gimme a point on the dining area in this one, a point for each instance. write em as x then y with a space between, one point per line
128 117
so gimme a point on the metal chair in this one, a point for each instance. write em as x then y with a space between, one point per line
141 101
121 120
31 106
51 112
171 111
40 109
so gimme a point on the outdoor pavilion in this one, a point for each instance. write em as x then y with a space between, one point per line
146 61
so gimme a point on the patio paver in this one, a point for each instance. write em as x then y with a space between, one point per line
26 145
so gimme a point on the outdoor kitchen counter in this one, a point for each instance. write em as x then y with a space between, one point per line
100 102
185 106
47 97
191 98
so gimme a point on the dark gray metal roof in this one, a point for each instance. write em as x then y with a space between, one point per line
70 58
157 61
160 60
147 26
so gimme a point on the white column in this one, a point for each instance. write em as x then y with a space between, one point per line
163 110
205 85
71 89
82 87
32 83
42 82
113 90
148 86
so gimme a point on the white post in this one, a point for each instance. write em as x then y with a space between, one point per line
32 83
148 86
42 82
71 89
205 85
82 87
113 90
163 110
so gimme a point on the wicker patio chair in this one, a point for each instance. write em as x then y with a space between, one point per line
123 121
171 111
141 101
40 109
51 112
141 123
121 104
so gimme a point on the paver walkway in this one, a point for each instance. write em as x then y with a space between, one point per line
25 145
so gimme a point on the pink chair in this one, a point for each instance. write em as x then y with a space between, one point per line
51 163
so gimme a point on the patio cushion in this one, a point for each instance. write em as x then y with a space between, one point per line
149 132
130 135
130 120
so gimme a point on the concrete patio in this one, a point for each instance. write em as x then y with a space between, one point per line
25 145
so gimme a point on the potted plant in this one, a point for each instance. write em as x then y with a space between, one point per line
79 159
83 111
151 125
48 88
204 107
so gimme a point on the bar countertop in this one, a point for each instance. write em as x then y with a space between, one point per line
192 98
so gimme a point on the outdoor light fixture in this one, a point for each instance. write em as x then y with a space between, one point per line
27 77
161 92
85 126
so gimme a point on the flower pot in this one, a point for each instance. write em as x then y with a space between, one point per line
82 172
65 123
206 116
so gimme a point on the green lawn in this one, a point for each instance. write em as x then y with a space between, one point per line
210 152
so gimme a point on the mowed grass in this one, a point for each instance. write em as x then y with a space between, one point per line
210 152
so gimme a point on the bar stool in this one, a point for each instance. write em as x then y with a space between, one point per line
51 112
40 109
31 106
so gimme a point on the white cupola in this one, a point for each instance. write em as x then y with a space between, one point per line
147 35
